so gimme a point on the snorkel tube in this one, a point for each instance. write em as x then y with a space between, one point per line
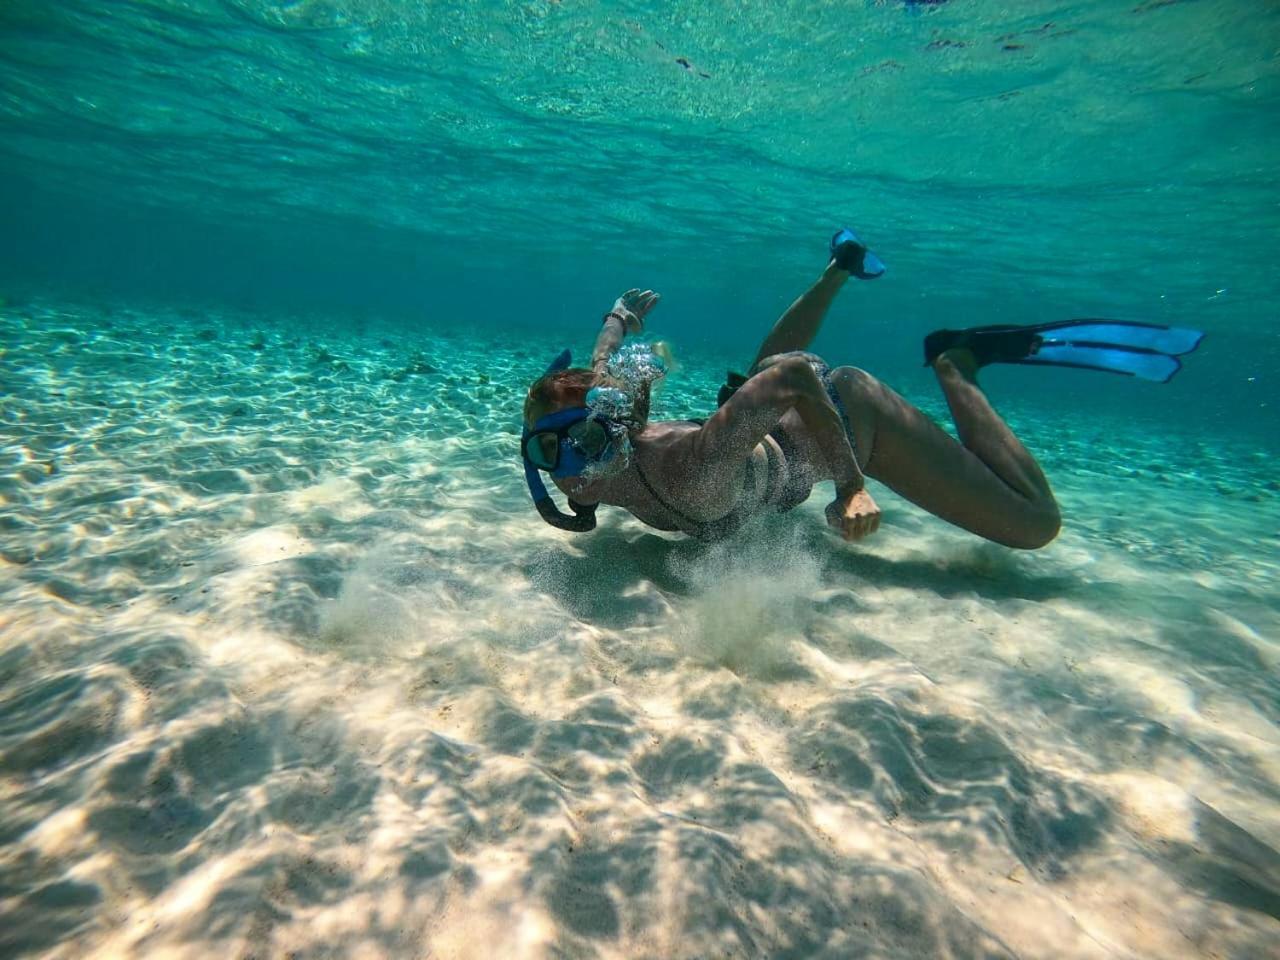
584 519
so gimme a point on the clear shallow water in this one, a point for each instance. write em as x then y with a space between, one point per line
287 663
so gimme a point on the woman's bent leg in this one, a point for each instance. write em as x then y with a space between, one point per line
988 483
797 327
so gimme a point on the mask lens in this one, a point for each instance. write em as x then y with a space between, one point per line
544 449
590 437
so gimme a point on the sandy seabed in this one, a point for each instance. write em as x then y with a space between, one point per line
288 667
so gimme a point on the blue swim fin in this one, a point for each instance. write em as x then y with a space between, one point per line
562 361
1144 350
849 254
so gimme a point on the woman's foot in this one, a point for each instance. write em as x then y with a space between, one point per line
960 360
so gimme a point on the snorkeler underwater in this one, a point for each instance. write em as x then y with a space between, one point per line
788 424
890 570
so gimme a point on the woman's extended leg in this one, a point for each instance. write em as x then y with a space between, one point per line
797 327
988 483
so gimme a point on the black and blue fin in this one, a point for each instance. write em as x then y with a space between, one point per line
732 383
850 254
1145 350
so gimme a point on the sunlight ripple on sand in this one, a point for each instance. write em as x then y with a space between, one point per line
288 666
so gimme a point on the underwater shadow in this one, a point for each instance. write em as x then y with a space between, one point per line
1227 658
946 578
599 583
616 581
1228 864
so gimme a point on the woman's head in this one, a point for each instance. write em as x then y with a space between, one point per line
567 433
557 391
565 389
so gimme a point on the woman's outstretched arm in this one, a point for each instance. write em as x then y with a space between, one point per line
627 316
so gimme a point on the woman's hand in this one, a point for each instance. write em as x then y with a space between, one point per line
633 306
855 516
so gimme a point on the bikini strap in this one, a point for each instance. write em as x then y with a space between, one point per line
707 530
682 517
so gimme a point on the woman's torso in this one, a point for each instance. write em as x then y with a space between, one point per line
662 487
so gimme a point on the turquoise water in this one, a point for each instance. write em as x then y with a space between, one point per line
1013 161
288 666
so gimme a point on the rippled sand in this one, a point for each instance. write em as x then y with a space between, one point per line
288 667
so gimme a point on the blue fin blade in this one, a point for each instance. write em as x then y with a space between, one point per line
1158 367
871 267
1174 341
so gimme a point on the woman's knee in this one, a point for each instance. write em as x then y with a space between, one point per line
856 384
1050 525
1040 528
796 373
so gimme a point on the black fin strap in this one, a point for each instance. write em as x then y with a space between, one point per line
732 383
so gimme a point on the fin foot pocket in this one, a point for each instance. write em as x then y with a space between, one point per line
852 256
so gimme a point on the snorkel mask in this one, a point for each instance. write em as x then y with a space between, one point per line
565 444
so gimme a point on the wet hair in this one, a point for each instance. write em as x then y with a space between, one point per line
557 391
568 388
